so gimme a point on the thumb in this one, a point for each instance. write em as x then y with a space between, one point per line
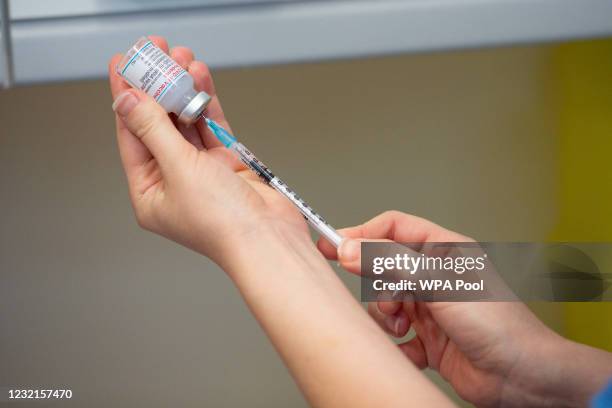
149 122
349 253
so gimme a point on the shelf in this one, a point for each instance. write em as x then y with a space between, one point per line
36 9
255 33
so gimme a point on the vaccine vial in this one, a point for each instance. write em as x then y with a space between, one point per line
146 67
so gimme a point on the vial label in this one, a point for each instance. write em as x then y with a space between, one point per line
152 70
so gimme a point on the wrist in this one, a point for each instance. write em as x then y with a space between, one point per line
563 373
267 242
222 242
583 372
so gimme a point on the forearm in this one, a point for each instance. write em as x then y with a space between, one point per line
337 355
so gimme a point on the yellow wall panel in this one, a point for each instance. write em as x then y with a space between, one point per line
584 83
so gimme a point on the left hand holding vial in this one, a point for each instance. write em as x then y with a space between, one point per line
184 184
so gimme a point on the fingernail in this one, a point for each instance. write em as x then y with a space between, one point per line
392 323
349 250
395 323
124 103
399 324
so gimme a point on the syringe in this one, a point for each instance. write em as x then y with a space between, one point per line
317 222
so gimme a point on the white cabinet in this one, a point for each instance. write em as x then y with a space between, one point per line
72 39
31 9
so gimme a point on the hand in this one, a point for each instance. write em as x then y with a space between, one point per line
184 184
492 353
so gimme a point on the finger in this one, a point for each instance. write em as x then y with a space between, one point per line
148 121
379 318
203 82
395 325
349 253
387 307
327 249
117 84
415 351
182 55
160 42
401 227
134 154
331 252
202 78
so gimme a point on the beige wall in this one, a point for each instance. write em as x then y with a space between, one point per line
122 317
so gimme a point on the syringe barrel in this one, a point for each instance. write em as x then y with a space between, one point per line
315 220
148 68
252 162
